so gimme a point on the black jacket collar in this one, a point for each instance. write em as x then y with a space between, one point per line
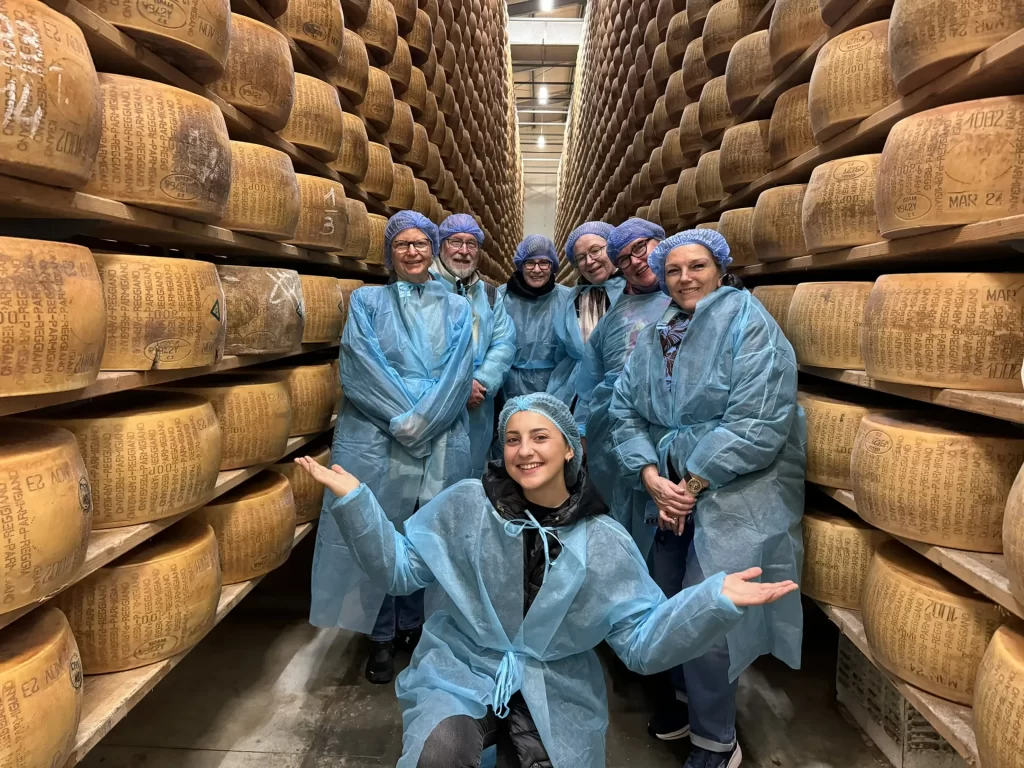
518 285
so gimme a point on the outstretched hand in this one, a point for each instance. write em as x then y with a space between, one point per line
337 479
743 592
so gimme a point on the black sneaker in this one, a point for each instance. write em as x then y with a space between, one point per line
703 758
670 724
408 640
380 666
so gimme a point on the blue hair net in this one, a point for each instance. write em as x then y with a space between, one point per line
535 247
709 238
404 220
599 228
630 230
553 409
461 223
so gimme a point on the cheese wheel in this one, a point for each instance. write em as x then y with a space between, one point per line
416 94
323 217
672 160
47 500
380 31
254 525
662 124
736 226
777 230
925 626
311 391
832 427
162 313
265 92
264 310
661 67
930 37
776 299
749 70
54 319
695 69
190 177
727 22
355 11
690 141
54 135
418 153
421 199
153 603
851 80
790 134
794 27
675 97
351 74
697 12
41 674
354 159
347 287
403 192
959 330
667 207
1013 537
148 455
677 38
399 69
315 123
928 481
686 193
399 133
708 181
380 174
420 38
375 254
323 305
997 699
378 107
317 26
357 233
306 491
254 413
952 165
745 157
837 554
190 34
264 198
839 207
825 321
713 112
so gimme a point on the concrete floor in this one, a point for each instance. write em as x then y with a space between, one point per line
266 690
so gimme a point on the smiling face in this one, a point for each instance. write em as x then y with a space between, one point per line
634 264
591 255
536 272
690 275
460 254
412 254
536 452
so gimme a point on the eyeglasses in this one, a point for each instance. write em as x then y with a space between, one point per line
471 246
404 246
638 251
592 254
542 265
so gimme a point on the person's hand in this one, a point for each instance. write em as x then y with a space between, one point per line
340 482
476 396
743 592
672 500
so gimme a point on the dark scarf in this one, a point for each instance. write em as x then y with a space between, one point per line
517 284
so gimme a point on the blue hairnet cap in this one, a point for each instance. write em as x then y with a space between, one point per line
599 228
709 238
535 247
630 230
555 411
404 220
461 224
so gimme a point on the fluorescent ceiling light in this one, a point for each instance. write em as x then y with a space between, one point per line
547 5
542 95
542 142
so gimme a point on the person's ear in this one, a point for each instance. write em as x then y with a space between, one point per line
570 454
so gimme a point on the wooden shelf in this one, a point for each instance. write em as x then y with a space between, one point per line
1008 406
954 722
108 698
107 545
764 18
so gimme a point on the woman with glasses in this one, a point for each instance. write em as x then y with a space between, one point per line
705 417
599 287
532 299
406 365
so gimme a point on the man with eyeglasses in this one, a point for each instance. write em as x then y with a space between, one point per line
494 335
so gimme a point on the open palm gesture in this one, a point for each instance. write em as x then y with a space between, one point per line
739 588
337 479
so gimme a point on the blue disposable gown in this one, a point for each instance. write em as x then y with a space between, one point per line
609 346
494 347
730 416
567 328
538 349
477 649
406 365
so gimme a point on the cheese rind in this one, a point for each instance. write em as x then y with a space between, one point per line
315 123
776 299
265 312
839 207
778 229
745 155
837 554
308 493
323 216
832 427
795 25
317 26
825 321
998 705
736 226
324 308
264 199
790 134
312 392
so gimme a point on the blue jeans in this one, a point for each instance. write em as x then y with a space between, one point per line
711 697
398 614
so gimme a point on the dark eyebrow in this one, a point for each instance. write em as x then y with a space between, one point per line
538 429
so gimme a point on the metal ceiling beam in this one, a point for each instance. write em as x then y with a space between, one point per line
550 41
533 6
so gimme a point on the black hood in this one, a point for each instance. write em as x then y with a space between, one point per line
507 497
517 284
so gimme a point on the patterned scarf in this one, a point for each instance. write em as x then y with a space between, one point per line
671 335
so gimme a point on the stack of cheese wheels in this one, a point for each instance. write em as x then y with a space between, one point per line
307 492
153 603
317 26
41 675
375 254
708 181
323 217
254 413
357 233
380 174
736 226
745 157
749 70
727 22
790 134
351 75
969 149
264 310
190 178
47 492
776 299
378 106
315 123
1013 537
997 699
904 597
837 555
354 159
958 330
324 309
149 455
713 111
778 229
264 198
54 286
192 35
311 392
839 207
265 92
825 321
940 483
55 84
794 27
832 427
254 525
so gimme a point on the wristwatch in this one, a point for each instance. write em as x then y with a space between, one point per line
694 484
